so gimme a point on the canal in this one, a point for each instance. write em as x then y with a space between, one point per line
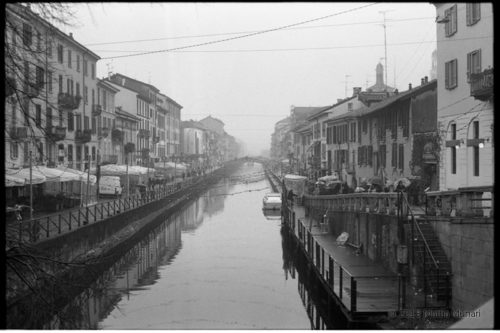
218 263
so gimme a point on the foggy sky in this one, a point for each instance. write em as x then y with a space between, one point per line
253 82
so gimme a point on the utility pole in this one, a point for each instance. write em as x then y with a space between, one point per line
385 42
88 180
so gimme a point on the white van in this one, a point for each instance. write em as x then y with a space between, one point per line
110 185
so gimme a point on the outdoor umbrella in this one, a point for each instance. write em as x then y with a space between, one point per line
404 181
376 181
36 177
13 180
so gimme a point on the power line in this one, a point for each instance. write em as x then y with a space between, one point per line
288 49
246 35
252 31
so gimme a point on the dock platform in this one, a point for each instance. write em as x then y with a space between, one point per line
362 288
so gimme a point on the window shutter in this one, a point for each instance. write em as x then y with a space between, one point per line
468 10
446 74
454 73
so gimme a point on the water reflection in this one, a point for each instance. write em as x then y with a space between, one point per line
219 263
138 268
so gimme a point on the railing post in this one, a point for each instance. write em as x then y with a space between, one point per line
340 282
447 290
330 270
354 287
47 231
59 224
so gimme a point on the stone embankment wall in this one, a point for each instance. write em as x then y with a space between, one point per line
468 244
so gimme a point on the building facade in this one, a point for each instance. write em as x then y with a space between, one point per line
51 91
465 94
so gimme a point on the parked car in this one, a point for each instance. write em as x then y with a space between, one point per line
272 201
110 185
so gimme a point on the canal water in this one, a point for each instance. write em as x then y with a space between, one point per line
218 263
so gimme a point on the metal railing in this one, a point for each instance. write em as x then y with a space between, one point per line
48 226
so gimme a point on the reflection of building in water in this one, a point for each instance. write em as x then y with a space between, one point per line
192 215
137 268
216 197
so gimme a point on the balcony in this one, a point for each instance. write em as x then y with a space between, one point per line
83 136
481 85
109 159
143 133
104 132
18 133
117 135
56 133
68 102
96 110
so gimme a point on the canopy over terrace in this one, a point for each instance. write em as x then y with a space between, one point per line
80 175
36 176
118 170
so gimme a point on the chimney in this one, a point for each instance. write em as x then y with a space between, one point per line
409 86
71 35
422 81
356 91
426 79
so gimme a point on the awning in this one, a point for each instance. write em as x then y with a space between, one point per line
12 180
36 177
78 175
57 174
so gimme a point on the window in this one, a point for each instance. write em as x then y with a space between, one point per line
85 68
14 150
49 117
94 127
38 115
394 156
78 153
93 97
93 153
453 130
86 122
60 58
450 73
85 95
60 84
401 155
93 71
473 63
78 122
453 160
69 58
27 34
78 63
70 152
49 48
68 86
71 123
40 77
39 41
475 135
383 155
349 106
473 13
60 117
77 89
451 25
49 81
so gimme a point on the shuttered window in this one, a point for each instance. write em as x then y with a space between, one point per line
473 63
450 74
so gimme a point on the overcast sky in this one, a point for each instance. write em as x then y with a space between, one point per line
250 83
